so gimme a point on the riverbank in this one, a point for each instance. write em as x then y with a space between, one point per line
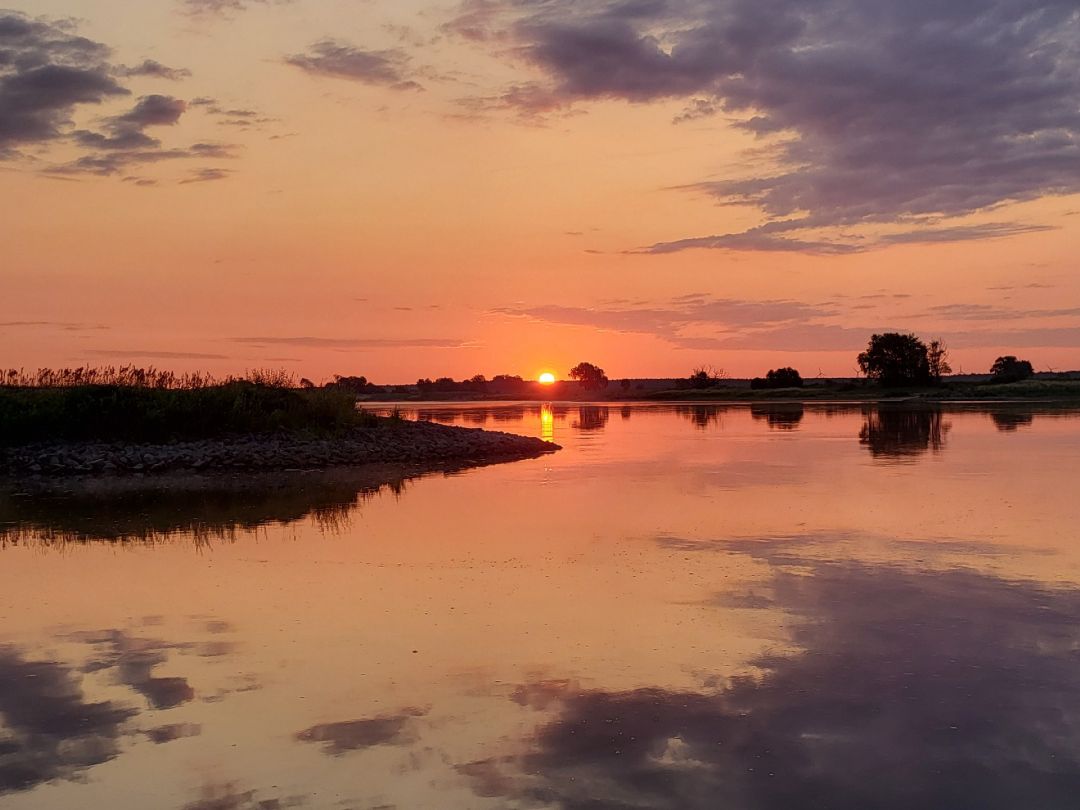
377 440
1040 391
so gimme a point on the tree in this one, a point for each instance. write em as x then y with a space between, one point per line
894 359
591 378
705 377
937 357
1009 369
354 385
785 377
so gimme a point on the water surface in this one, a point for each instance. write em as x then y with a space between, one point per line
690 606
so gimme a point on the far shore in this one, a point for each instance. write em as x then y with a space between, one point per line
1036 391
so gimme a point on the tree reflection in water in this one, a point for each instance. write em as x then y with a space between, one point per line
899 432
781 416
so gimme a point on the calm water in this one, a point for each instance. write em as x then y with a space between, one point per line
687 607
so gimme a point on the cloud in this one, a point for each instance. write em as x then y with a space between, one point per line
154 69
161 355
172 732
205 176
876 706
355 343
765 238
46 71
231 116
727 318
224 8
49 74
875 111
353 735
341 60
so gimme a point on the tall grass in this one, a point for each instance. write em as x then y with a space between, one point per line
148 405
136 377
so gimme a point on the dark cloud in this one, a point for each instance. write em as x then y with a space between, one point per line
48 73
341 60
172 732
875 111
48 729
127 131
153 69
907 688
353 735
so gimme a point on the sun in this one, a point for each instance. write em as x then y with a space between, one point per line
547 378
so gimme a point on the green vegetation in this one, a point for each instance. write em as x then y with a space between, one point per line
146 405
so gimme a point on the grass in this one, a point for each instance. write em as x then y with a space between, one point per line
144 405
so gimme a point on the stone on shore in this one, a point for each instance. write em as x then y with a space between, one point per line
389 441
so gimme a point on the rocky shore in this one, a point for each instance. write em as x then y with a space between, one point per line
390 441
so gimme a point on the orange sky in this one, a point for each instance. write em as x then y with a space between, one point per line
417 198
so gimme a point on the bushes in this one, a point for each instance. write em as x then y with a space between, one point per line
1009 369
786 377
143 414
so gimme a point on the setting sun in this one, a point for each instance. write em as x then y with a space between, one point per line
547 378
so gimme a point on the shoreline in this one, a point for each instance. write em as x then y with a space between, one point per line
390 441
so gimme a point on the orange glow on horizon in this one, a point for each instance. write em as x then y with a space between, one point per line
547 378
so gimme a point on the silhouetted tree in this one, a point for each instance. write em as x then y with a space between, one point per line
937 358
894 359
591 378
785 377
306 383
1009 369
705 377
354 385
507 384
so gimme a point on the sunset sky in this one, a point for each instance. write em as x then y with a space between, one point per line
404 188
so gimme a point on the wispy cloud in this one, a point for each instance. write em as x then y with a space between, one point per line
342 60
355 343
154 354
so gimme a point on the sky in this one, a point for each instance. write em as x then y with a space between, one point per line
405 189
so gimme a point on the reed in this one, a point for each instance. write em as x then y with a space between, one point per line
133 404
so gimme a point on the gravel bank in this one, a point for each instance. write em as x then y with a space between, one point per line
391 441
